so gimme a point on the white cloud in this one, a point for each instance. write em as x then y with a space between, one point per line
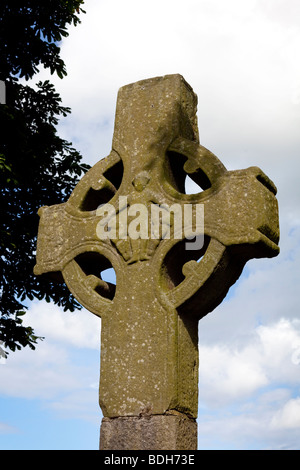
248 426
230 373
38 374
79 328
62 371
288 417
279 342
246 390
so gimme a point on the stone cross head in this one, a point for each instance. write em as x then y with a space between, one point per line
131 212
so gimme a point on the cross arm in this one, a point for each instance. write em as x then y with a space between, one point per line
62 239
241 222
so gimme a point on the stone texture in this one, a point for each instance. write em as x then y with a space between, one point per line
156 432
149 342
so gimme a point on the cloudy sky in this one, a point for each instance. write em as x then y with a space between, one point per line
242 60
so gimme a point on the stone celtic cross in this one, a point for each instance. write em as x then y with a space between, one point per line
149 334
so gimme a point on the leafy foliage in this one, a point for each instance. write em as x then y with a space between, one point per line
37 167
29 33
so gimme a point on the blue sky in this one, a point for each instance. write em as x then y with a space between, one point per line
242 60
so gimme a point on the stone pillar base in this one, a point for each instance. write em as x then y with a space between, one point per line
155 432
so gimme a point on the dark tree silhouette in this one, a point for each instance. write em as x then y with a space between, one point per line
37 167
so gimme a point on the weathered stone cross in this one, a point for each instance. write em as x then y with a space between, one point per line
149 339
